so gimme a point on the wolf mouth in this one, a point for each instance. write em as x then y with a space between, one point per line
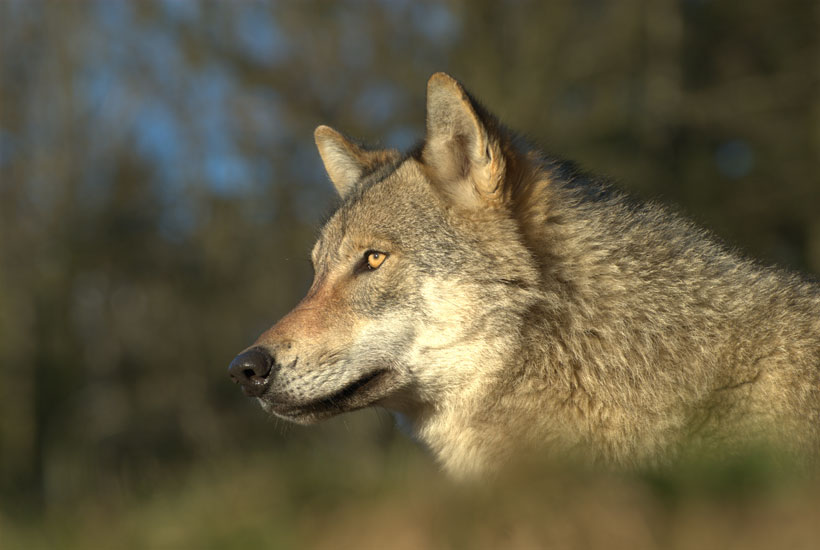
355 395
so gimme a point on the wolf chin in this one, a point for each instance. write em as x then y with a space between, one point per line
507 305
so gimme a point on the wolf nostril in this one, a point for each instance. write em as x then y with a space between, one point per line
250 369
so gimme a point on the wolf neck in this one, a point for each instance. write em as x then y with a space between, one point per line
636 332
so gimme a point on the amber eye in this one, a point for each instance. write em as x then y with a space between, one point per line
375 259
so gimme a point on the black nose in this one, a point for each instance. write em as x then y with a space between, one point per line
250 370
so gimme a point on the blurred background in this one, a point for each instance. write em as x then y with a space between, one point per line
160 191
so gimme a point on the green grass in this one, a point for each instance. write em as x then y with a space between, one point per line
318 494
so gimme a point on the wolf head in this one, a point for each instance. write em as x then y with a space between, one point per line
422 278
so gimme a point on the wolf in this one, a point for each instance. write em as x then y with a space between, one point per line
504 303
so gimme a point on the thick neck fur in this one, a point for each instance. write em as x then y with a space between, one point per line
646 338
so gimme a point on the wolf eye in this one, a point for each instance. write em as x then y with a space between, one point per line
374 259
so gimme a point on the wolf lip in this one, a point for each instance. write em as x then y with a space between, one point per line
356 395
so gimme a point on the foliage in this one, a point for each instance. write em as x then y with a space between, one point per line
159 189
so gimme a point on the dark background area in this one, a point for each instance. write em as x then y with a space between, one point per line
159 193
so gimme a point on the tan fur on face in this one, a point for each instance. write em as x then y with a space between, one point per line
308 319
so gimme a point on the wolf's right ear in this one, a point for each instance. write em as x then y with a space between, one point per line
345 162
462 146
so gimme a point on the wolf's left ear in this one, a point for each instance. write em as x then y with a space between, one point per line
345 162
460 148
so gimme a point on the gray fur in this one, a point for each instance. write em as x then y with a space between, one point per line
523 307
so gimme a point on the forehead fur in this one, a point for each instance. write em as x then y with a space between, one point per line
382 207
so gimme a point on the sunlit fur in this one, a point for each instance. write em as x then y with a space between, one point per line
526 307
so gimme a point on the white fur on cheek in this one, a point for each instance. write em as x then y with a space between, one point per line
451 350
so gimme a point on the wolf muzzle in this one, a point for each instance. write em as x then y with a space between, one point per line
251 369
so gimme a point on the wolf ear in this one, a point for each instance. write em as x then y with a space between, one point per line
345 162
342 158
463 152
